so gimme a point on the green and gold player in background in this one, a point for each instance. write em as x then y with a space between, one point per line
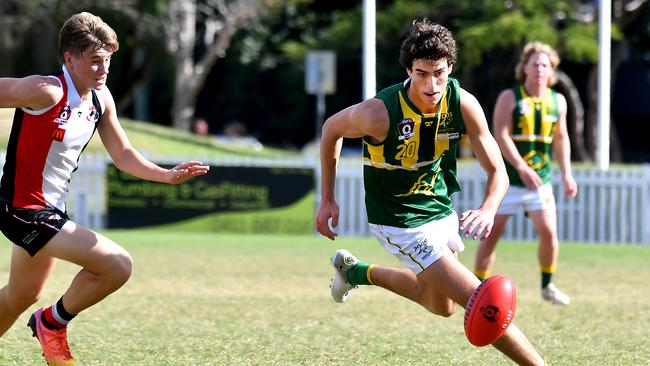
529 120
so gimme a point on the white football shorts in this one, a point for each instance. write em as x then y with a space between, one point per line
419 247
530 200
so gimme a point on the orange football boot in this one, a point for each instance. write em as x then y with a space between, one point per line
53 342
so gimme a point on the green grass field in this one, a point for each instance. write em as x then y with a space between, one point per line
225 299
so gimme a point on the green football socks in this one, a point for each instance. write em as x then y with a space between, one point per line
546 278
360 274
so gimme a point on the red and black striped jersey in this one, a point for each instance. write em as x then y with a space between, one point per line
45 146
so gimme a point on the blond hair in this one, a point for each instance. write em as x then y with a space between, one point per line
84 30
529 49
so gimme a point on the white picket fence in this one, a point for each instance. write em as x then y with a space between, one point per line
611 207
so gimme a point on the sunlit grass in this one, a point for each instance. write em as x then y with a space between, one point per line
217 299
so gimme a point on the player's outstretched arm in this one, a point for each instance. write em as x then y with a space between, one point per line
481 220
35 92
128 159
368 118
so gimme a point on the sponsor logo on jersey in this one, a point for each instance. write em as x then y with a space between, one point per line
445 121
550 118
405 129
448 136
58 134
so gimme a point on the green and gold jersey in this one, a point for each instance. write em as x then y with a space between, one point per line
533 123
409 177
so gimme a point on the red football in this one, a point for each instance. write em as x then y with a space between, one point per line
490 310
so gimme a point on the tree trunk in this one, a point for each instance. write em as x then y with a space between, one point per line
182 36
575 116
222 20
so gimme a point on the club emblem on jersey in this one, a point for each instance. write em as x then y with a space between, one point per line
64 115
93 116
524 107
406 129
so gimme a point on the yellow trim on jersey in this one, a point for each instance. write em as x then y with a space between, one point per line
540 162
376 153
441 144
527 121
411 146
547 123
413 143
420 188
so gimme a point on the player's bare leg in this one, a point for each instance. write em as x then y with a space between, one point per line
545 222
415 288
27 279
449 280
486 252
105 265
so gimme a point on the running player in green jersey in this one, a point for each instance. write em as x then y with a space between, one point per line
529 119
410 132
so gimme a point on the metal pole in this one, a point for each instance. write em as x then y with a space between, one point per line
369 51
320 113
604 81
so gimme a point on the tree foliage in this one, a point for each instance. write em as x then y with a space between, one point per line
244 59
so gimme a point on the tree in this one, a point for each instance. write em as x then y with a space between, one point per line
504 28
490 34
626 14
30 31
494 32
216 22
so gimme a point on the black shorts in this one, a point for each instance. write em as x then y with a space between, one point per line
28 228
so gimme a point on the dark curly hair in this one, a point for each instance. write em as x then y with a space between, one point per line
429 41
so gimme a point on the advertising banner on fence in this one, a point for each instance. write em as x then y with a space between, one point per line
228 199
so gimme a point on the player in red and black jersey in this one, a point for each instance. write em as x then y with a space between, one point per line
55 118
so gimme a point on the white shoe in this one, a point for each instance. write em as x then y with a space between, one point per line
342 261
556 297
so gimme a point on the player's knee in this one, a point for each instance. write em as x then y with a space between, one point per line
548 238
445 311
19 301
546 232
121 268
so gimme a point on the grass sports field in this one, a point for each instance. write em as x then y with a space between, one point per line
222 299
